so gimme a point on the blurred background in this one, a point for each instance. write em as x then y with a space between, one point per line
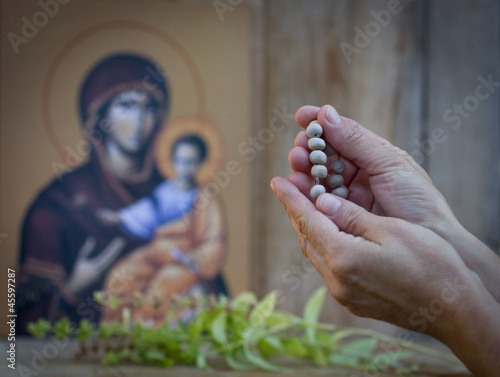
422 74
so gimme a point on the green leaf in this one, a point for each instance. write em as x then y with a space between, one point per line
155 355
100 297
318 356
194 330
40 328
280 318
104 331
201 359
262 363
114 302
62 328
222 300
243 301
111 358
343 360
263 309
237 326
325 339
295 348
236 365
203 319
340 334
218 328
252 333
270 346
85 330
126 353
361 347
126 317
312 311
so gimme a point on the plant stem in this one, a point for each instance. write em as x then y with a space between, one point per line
273 330
388 339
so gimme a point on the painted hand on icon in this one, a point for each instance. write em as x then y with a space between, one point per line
87 271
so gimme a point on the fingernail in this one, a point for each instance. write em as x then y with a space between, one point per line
332 116
329 204
273 187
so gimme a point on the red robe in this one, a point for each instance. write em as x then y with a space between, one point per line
55 229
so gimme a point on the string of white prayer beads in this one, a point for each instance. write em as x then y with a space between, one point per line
320 151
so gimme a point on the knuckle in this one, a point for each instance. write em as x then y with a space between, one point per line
404 154
353 133
304 245
352 218
394 229
347 269
303 224
357 311
343 295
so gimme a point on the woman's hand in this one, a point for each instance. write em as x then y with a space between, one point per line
392 270
385 180
372 264
394 251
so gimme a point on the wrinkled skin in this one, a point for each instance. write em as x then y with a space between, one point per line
393 248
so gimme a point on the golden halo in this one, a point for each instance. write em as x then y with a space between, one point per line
177 128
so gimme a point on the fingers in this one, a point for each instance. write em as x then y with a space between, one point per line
301 139
299 160
360 191
305 115
319 263
365 149
352 131
351 218
322 234
303 182
309 221
87 248
109 254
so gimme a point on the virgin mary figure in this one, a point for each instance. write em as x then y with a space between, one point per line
66 252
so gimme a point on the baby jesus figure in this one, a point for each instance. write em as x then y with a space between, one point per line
169 201
184 245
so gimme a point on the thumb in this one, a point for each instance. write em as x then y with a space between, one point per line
364 148
349 217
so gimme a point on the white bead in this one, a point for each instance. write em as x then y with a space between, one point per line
319 171
317 190
316 143
317 157
342 192
314 129
329 150
338 166
335 181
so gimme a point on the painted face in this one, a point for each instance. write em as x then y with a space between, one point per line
132 115
187 161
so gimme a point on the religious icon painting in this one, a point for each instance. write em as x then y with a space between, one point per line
120 168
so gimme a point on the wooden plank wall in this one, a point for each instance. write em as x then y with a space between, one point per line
464 51
425 59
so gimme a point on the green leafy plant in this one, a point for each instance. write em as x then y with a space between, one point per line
247 333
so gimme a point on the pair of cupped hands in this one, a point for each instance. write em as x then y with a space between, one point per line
395 246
